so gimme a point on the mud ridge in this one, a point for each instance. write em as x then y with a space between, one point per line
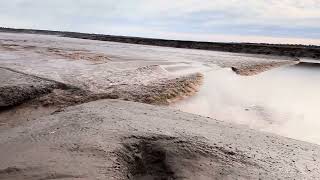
28 97
17 88
154 85
255 69
163 92
59 84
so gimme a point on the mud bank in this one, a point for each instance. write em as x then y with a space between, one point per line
154 85
25 97
254 69
16 87
125 140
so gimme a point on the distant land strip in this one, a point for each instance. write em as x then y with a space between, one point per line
289 50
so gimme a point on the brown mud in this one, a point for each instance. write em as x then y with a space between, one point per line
44 99
54 125
122 140
253 69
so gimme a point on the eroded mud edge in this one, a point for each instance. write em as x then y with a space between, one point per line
30 101
255 69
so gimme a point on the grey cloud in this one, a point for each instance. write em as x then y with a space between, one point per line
289 18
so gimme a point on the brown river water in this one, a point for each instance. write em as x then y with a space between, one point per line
284 101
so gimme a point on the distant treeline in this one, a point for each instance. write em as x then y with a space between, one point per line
290 50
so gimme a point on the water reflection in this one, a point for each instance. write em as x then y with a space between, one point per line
284 101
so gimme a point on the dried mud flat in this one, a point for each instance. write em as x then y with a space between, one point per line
54 125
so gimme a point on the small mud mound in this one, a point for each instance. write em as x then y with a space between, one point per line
64 98
149 84
14 95
154 85
54 101
76 54
16 87
165 157
162 92
253 69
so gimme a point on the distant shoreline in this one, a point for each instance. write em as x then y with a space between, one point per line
288 50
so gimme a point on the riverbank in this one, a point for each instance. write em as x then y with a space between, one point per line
62 122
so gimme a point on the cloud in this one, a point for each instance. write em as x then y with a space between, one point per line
266 18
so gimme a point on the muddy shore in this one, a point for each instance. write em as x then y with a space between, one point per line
125 140
251 48
57 119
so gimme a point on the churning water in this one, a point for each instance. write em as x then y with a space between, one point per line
284 101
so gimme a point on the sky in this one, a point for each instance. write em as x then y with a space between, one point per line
270 21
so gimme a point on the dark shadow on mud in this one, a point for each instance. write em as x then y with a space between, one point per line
166 157
312 65
146 159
